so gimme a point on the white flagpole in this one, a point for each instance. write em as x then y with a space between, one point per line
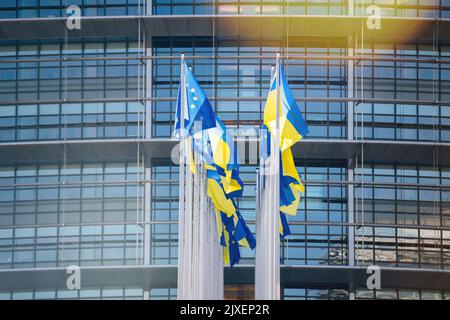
182 195
267 260
276 203
260 203
200 266
195 231
202 241
218 258
188 226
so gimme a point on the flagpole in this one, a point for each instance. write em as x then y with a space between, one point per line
195 228
182 195
202 239
258 213
200 262
276 203
267 262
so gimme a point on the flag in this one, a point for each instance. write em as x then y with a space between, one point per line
225 185
230 181
210 139
219 198
243 234
223 148
292 125
290 184
231 251
292 128
198 113
284 226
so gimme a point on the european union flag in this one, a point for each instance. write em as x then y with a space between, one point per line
198 113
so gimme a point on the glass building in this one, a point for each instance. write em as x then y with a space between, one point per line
86 176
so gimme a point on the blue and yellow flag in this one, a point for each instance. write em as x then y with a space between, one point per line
198 113
291 122
225 185
290 184
211 140
292 128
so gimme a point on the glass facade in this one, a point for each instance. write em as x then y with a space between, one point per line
58 8
105 293
238 80
84 221
85 121
409 8
364 294
411 221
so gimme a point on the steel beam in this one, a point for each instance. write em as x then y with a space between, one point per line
315 29
401 152
166 277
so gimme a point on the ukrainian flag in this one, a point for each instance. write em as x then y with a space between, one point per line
292 128
222 147
233 233
284 226
225 185
291 122
290 184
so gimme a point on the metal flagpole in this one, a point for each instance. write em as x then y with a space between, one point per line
267 260
195 229
268 294
276 212
182 195
188 224
200 266
218 259
202 240
190 288
257 227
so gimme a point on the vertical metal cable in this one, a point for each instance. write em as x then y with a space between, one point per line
436 130
64 167
356 137
286 239
362 142
138 173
